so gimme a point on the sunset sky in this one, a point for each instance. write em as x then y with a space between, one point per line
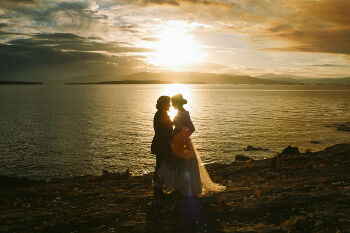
48 39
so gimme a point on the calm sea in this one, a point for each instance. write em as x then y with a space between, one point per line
49 131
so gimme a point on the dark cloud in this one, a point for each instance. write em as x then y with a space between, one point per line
58 15
22 1
69 41
3 25
78 14
6 35
62 56
25 54
15 3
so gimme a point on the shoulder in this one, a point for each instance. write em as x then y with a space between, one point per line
185 114
159 115
163 116
156 115
181 116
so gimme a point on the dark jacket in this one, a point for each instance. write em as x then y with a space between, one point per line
163 130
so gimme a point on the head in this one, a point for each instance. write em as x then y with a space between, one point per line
163 103
178 101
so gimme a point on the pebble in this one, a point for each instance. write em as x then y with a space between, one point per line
111 229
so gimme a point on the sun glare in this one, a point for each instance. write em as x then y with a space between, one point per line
175 47
173 89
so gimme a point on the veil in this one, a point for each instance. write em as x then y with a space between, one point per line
207 184
183 147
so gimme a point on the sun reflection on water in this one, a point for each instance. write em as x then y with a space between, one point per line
173 89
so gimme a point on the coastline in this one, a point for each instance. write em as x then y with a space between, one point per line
288 193
19 83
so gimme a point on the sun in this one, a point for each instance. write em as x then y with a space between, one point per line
175 47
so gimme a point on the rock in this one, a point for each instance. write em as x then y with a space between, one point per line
13 182
290 151
293 223
259 199
343 127
127 173
340 126
315 142
252 148
242 158
274 163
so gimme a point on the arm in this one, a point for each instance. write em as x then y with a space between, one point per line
188 123
166 125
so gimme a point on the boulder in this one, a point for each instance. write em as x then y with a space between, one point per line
7 182
252 148
315 142
343 127
290 151
242 158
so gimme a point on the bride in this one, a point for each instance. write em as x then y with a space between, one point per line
188 176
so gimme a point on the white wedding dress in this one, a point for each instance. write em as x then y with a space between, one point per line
186 174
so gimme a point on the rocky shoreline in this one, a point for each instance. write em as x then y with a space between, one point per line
291 192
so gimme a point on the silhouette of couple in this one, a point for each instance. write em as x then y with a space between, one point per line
178 165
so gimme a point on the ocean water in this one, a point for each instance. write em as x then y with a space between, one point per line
58 131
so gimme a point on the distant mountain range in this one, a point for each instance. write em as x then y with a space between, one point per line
176 77
134 82
307 81
210 78
19 83
193 78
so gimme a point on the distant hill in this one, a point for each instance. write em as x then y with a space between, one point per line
283 77
307 81
133 82
179 77
327 81
94 78
19 83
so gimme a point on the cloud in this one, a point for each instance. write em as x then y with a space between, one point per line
331 65
73 42
95 35
3 25
293 25
180 2
64 55
5 36
16 3
307 26
170 2
150 39
176 3
52 16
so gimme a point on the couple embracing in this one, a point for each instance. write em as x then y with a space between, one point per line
178 165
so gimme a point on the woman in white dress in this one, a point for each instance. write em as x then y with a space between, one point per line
188 176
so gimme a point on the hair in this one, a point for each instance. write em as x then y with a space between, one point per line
162 101
178 100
